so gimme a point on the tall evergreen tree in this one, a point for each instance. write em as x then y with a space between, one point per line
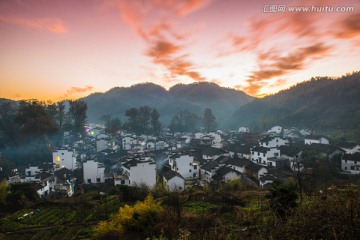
77 112
155 123
209 120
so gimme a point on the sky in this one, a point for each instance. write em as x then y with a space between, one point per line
67 49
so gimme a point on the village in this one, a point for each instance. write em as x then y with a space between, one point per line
182 160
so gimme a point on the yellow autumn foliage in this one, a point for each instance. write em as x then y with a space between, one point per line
131 218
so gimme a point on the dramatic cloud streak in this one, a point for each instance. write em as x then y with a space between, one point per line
272 64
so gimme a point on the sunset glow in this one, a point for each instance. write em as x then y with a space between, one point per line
69 49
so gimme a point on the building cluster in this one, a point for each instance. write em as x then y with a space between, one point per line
179 161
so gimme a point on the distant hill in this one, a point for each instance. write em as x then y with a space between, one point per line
192 97
322 104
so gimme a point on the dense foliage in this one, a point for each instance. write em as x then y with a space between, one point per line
185 121
143 120
131 219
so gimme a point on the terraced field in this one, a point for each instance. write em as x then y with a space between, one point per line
56 221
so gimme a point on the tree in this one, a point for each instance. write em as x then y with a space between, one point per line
132 122
112 125
209 120
3 194
184 121
155 123
136 219
61 113
34 120
51 109
282 198
143 120
8 126
77 111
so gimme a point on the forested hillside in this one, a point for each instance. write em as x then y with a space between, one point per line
323 104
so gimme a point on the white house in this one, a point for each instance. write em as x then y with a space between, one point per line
128 142
266 179
273 142
47 182
277 162
64 158
256 170
208 170
30 173
216 139
238 164
293 155
184 164
140 171
173 181
275 129
349 148
93 172
310 139
260 155
351 163
121 180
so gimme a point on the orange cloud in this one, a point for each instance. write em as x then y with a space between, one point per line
76 90
162 49
349 27
274 65
164 53
54 25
